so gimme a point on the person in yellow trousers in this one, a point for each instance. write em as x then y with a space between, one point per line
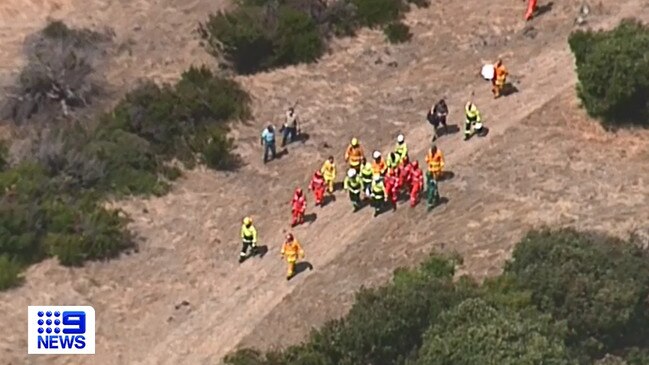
328 171
291 251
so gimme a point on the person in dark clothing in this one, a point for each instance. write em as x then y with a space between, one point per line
290 128
437 115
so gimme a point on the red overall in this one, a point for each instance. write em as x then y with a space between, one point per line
299 207
405 173
318 187
417 183
531 6
392 189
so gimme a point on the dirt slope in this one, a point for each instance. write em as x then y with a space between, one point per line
551 168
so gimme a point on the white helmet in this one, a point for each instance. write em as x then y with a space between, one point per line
376 154
400 138
351 172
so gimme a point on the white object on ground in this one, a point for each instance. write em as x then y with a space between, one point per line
488 72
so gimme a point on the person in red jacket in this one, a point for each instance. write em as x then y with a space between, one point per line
318 187
416 183
299 207
392 187
404 173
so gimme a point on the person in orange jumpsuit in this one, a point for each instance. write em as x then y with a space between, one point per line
291 252
392 187
500 78
404 173
318 186
416 183
531 7
299 207
378 165
354 154
435 161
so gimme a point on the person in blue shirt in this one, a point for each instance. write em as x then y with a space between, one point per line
268 141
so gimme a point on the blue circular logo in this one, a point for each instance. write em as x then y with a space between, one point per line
48 330
49 314
49 322
57 322
40 313
57 330
57 313
40 322
40 330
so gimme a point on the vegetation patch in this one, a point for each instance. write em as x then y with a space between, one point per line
612 71
564 298
261 34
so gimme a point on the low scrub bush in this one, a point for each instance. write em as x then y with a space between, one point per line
562 290
612 71
261 34
397 33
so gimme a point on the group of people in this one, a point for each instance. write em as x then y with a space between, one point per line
381 181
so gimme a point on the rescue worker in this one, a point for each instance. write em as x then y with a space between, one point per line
404 173
291 252
531 8
393 161
379 196
298 205
329 172
500 78
354 154
290 129
435 161
416 183
473 121
392 188
268 141
248 238
353 184
432 192
401 148
378 166
317 185
366 177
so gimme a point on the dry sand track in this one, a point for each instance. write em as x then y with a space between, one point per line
548 168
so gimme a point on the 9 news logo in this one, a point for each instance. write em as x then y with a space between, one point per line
60 330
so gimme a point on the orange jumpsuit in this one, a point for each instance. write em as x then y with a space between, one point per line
291 251
354 155
435 163
500 77
379 168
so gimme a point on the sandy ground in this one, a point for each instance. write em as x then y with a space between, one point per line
543 163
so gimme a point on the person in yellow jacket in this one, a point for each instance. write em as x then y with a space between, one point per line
473 121
367 174
291 252
401 149
435 161
248 238
328 171
354 154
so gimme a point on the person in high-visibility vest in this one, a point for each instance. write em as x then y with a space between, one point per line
291 252
393 161
354 154
329 173
401 149
473 121
366 177
378 166
353 185
500 78
435 161
379 195
248 238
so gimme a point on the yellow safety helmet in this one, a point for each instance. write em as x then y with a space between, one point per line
247 221
354 142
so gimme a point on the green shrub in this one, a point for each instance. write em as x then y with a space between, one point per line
598 285
4 156
476 333
397 32
612 71
374 13
297 39
9 271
